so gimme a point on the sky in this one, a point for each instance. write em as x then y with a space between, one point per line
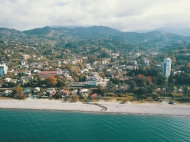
125 15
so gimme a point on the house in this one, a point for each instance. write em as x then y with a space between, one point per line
65 74
114 57
117 54
146 62
83 92
136 55
22 81
92 78
25 56
119 70
50 92
88 66
94 96
94 63
113 54
36 89
104 62
27 73
69 78
134 62
12 70
84 71
29 78
14 80
7 92
103 82
129 68
23 62
108 70
36 71
65 62
176 72
7 79
65 92
73 62
84 58
27 90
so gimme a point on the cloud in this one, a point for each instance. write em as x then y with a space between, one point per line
124 15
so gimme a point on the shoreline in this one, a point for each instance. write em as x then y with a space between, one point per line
99 107
94 112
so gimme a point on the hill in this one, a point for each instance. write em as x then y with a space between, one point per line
94 36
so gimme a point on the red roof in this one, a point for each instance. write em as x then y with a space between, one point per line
94 95
29 76
47 72
66 91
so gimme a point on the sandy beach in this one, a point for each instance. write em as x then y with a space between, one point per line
128 108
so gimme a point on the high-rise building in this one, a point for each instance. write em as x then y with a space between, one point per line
166 67
3 69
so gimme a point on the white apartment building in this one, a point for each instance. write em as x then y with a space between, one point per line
166 67
3 69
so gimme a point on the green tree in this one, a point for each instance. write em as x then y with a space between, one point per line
19 94
185 90
133 86
100 89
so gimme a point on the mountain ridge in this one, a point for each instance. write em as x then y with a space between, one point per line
96 35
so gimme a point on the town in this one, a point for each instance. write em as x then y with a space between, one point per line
44 70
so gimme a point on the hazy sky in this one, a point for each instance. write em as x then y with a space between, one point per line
125 15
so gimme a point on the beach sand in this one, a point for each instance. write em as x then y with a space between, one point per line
112 107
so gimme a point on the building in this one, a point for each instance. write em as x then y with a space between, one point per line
146 62
3 69
44 74
7 79
92 79
136 55
166 67
83 92
134 62
25 56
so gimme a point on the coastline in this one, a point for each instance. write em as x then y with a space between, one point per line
99 107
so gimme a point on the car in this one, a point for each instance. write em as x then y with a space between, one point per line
172 103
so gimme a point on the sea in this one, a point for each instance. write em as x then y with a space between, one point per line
58 126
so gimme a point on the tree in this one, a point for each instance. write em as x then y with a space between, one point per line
178 87
133 86
185 90
150 89
51 81
19 94
110 86
100 89
18 89
60 83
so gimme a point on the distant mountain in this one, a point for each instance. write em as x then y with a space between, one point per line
179 31
38 31
95 35
6 34
94 32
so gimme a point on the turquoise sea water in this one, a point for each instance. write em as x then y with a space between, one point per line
58 126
